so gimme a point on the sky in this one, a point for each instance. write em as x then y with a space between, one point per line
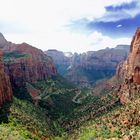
70 25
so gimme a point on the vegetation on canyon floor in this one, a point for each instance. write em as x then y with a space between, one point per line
56 115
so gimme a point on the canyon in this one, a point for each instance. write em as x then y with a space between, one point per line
63 94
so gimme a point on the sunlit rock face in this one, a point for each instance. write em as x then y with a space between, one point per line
129 71
5 85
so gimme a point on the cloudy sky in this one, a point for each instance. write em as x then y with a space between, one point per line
70 25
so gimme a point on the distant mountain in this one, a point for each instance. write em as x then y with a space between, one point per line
87 68
61 61
122 47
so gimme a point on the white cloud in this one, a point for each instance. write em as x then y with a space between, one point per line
45 20
70 42
37 14
118 26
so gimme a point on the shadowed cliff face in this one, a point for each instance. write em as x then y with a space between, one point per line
5 86
24 63
129 71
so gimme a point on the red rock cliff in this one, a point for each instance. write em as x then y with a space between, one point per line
24 63
129 71
5 86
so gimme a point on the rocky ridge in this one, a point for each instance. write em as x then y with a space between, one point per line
25 63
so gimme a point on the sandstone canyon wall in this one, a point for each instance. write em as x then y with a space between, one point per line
5 85
24 63
129 71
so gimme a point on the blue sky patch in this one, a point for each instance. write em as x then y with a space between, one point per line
121 28
124 6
